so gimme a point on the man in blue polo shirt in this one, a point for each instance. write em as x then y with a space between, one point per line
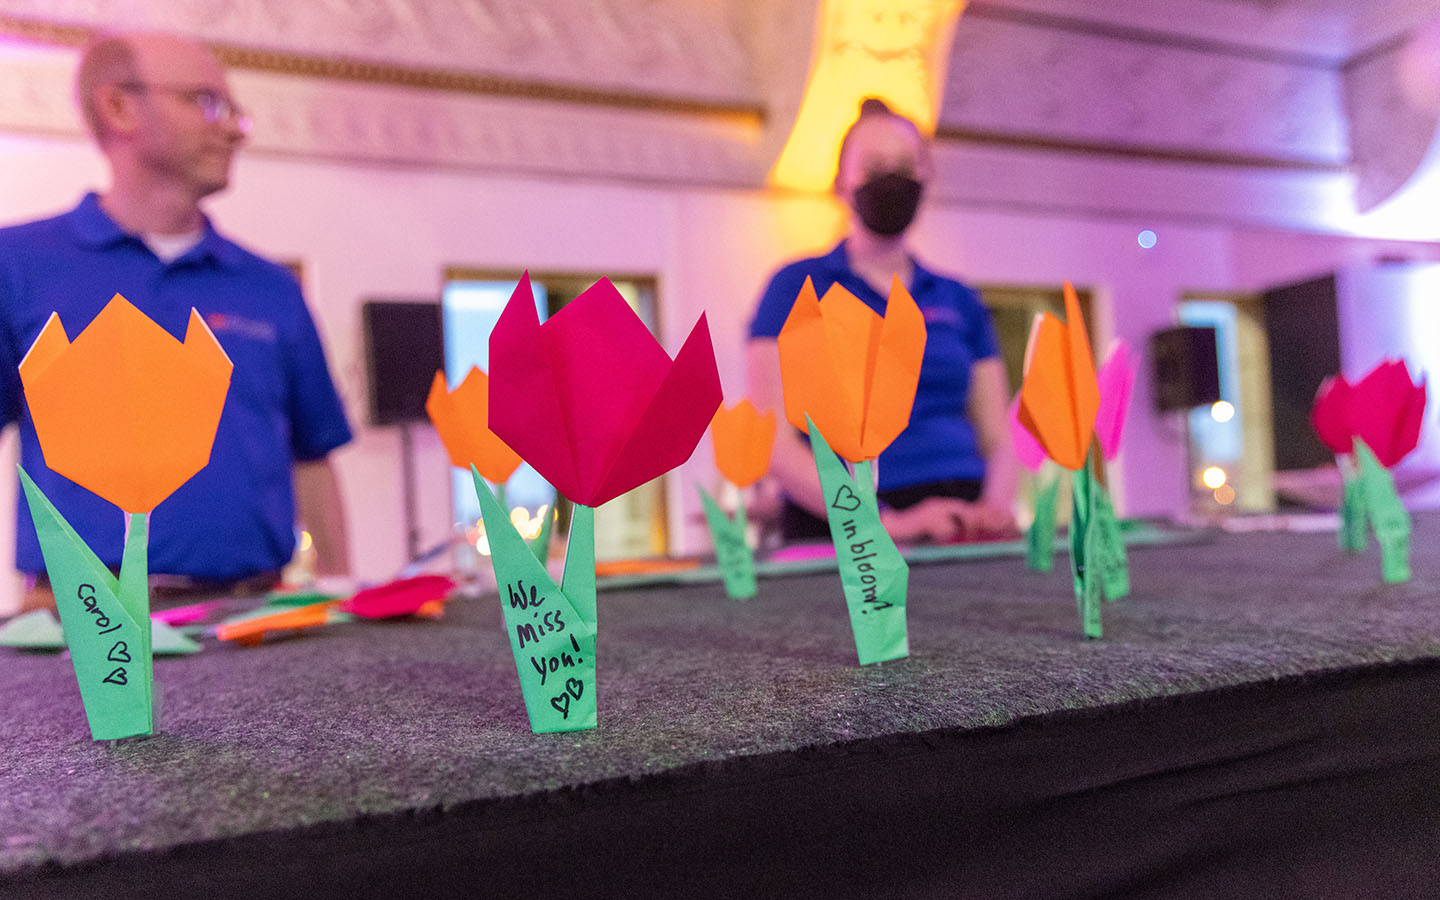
160 111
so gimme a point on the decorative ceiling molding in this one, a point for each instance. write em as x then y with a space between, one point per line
1083 90
385 124
1392 127
682 49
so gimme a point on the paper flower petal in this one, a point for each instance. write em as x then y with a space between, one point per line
462 419
743 438
1116 380
125 410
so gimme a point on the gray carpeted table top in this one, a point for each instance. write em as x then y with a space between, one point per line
377 718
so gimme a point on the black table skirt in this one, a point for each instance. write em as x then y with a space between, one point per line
1261 720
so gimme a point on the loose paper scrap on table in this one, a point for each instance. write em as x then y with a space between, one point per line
1059 400
849 377
130 413
593 402
742 439
1372 425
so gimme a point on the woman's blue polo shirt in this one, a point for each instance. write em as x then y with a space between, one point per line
939 444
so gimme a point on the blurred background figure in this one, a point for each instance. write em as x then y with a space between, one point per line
160 110
951 473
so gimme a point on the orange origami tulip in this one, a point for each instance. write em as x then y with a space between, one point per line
1059 397
462 417
851 371
742 438
126 411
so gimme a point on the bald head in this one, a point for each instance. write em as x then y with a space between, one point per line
138 58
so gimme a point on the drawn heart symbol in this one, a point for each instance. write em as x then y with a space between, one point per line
119 653
576 687
845 499
117 676
562 704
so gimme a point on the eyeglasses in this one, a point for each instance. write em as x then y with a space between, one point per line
213 105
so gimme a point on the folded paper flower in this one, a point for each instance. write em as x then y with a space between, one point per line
1027 449
125 410
462 419
1116 381
853 372
590 399
1059 397
1385 409
1331 414
742 437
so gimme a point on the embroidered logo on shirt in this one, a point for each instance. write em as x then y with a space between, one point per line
230 323
941 315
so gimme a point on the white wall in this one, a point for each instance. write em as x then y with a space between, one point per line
368 230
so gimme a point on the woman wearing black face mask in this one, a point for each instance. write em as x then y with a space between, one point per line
951 474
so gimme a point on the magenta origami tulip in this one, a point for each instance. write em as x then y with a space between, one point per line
591 400
1027 449
1116 380
1384 409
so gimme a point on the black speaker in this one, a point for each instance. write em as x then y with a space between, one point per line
1187 367
404 348
1302 327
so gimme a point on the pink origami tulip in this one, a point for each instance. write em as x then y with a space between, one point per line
1384 409
591 400
1331 414
1116 378
1027 449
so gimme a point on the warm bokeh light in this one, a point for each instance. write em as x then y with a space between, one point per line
897 50
1225 495
529 526
1213 477
306 541
1222 411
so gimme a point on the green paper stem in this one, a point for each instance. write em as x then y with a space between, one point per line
872 571
1386 513
106 620
1040 537
732 554
551 637
1085 563
540 544
1115 564
1353 523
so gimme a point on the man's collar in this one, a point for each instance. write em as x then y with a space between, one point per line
94 228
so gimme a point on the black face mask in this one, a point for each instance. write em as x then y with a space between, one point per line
887 202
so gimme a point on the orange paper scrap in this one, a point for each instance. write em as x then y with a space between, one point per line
742 438
126 411
462 417
250 632
853 372
1059 396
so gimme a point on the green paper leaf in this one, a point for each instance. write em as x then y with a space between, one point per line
108 647
552 639
737 563
166 641
872 571
1085 550
540 544
1386 513
1040 538
1353 521
1115 565
37 630
577 581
